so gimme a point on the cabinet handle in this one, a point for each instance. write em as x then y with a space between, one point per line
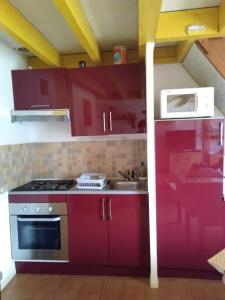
110 121
103 209
109 210
43 105
221 134
104 123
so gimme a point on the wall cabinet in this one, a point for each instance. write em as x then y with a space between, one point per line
102 100
190 206
40 89
108 230
107 100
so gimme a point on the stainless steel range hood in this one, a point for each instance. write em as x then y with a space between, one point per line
40 115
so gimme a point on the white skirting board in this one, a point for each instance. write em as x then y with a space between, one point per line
11 272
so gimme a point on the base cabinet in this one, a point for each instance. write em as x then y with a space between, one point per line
109 230
129 230
88 232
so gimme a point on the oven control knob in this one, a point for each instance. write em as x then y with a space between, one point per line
50 209
25 209
37 209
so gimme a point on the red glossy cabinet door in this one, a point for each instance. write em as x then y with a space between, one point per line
107 230
190 209
128 230
40 89
107 100
88 232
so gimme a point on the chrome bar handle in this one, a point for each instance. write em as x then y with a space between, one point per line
38 219
104 123
110 209
221 134
103 209
110 121
43 105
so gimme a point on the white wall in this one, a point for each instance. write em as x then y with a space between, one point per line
205 74
9 133
170 76
7 266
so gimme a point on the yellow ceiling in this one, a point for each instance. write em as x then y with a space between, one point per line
102 24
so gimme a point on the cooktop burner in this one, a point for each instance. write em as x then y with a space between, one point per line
46 185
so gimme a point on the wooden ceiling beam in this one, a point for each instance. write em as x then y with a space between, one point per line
165 55
148 16
172 26
74 15
183 48
27 35
222 18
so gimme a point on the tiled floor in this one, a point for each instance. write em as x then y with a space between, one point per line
61 287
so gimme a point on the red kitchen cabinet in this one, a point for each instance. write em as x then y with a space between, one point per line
107 100
128 230
88 232
190 206
108 230
40 89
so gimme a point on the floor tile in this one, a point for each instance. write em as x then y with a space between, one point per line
113 285
92 284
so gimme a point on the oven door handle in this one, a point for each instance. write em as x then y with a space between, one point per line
38 219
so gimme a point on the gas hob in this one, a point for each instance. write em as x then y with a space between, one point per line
46 185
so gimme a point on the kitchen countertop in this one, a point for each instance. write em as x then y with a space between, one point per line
74 190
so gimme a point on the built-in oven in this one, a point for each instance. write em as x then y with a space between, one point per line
39 231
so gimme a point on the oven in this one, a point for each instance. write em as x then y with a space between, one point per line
39 231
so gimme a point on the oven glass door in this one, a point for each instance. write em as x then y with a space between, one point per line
39 232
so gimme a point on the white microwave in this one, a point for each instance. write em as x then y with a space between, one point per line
187 103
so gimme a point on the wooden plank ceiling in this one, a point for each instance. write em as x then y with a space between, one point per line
62 32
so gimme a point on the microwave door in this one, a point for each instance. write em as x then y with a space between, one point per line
182 103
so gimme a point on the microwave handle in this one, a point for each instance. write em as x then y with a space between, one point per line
38 219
